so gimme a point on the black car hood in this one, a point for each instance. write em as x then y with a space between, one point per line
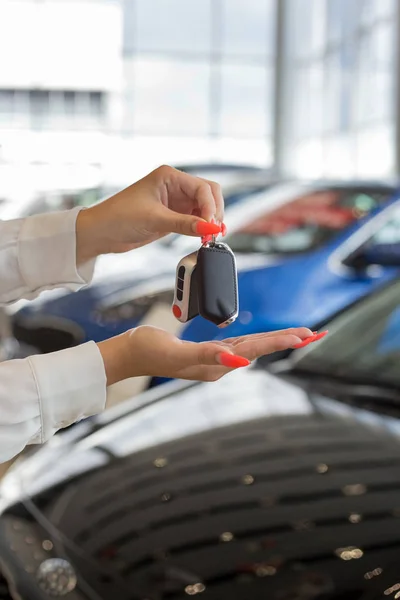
244 489
168 413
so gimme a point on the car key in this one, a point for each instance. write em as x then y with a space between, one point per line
217 283
206 285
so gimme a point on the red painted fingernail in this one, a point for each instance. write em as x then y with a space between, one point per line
304 343
204 228
232 360
321 335
311 339
223 229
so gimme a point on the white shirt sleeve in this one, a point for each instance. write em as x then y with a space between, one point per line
43 393
39 253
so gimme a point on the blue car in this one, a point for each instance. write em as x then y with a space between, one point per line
312 258
298 251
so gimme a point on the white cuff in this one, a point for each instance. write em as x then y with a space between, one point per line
71 386
47 252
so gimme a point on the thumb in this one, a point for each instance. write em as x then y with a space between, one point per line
170 221
211 354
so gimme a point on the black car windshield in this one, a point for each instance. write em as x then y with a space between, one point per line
363 344
308 221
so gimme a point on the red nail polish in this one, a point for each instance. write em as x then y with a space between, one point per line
223 229
304 343
319 336
233 360
206 238
311 339
204 228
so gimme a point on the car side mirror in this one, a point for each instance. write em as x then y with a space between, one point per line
385 255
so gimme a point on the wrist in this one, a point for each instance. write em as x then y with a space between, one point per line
115 355
88 236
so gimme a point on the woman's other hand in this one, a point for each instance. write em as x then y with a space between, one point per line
153 352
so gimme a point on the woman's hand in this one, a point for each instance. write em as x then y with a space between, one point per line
165 201
154 352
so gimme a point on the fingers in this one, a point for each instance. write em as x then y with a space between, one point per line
249 349
238 352
203 373
206 353
209 354
310 340
254 347
167 221
218 198
301 332
204 199
207 195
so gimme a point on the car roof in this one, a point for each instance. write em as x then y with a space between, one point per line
215 166
347 183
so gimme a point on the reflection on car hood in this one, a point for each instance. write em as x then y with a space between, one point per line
243 489
151 420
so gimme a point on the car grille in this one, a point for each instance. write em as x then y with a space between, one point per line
139 519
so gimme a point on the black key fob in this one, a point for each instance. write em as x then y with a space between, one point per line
217 284
206 285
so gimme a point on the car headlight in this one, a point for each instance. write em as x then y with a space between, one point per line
134 309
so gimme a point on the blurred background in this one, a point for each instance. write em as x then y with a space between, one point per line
294 107
95 93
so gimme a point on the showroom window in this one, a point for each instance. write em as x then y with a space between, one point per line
188 30
51 109
245 101
183 108
208 75
341 71
247 29
375 74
